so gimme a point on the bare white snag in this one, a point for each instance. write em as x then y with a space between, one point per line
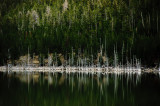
65 5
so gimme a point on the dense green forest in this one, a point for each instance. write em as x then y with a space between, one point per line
131 27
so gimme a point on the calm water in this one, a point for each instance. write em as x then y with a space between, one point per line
77 89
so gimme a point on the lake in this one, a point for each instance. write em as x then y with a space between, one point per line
79 89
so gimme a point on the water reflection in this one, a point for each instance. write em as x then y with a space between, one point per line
78 88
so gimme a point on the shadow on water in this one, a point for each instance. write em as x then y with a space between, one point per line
78 89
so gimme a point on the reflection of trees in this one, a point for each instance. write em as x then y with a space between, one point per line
100 92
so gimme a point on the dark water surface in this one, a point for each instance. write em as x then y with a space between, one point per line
77 89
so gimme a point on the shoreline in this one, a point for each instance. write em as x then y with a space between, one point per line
69 69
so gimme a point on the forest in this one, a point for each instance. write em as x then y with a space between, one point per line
83 28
